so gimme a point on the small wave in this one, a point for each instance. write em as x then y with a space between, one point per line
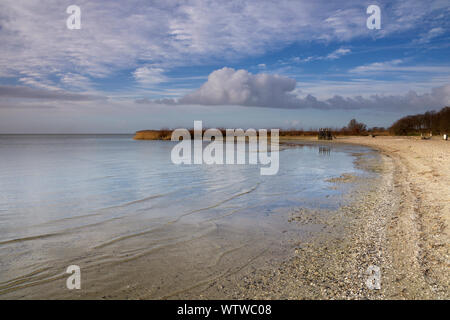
216 204
37 237
158 245
126 204
141 200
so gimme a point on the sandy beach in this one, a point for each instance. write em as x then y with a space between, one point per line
397 222
417 232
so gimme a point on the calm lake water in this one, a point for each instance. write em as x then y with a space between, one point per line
140 226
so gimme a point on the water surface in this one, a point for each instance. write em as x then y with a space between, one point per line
140 226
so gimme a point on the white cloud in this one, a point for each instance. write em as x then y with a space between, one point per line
239 87
377 66
148 75
75 81
338 53
430 35
345 23
396 66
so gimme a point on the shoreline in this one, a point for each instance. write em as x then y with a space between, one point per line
417 235
406 222
394 217
391 222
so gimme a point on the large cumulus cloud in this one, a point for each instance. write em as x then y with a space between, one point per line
228 86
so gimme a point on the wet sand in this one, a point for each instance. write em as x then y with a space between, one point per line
397 222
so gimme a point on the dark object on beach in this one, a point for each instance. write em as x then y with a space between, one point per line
373 136
325 134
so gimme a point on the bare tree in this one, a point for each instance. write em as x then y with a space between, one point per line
356 127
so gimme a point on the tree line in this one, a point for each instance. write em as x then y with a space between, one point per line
431 121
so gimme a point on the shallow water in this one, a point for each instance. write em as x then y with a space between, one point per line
140 226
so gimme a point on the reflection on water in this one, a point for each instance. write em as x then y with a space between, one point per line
111 203
324 151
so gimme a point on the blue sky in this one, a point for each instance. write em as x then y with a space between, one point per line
280 64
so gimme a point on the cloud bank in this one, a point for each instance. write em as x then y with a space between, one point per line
228 86
22 92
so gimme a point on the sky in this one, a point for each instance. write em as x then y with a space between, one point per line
136 65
